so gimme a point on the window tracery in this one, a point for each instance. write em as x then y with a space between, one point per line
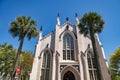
45 66
68 47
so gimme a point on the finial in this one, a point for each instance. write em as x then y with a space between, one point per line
40 33
41 28
77 20
67 18
76 15
58 15
58 19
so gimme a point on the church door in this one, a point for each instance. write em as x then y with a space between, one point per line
69 76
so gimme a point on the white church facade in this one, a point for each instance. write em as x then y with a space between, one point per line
65 54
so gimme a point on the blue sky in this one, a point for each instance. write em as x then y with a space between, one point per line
45 12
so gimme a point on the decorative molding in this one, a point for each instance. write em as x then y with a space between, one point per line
76 67
62 67
69 32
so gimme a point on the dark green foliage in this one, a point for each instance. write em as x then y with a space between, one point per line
7 57
26 60
115 64
91 22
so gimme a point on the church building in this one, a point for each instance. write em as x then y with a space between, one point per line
65 54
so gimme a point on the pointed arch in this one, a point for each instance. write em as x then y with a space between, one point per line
92 69
71 50
46 58
68 47
67 32
68 76
72 70
45 49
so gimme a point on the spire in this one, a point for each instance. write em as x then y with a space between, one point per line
76 15
41 28
40 33
58 15
77 20
67 18
58 19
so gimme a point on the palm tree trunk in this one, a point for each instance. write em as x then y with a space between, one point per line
17 58
99 75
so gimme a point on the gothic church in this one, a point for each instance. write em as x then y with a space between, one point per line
65 54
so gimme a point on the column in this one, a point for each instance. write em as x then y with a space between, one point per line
53 68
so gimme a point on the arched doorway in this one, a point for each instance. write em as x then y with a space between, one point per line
69 76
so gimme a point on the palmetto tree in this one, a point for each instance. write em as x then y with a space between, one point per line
90 24
22 27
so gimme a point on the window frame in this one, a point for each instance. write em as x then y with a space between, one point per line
68 47
91 66
46 65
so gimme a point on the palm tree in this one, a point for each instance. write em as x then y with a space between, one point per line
90 24
22 27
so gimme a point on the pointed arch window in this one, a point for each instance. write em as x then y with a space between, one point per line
68 47
45 66
92 67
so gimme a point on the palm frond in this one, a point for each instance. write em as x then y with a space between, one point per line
21 26
32 32
33 22
91 20
14 31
